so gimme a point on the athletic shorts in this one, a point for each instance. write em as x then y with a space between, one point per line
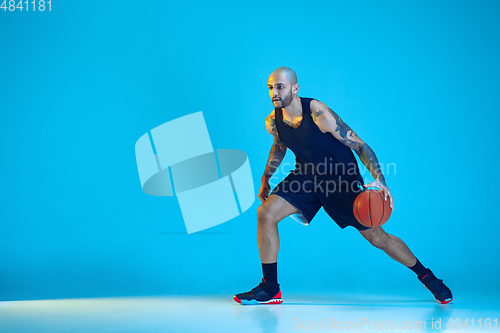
308 194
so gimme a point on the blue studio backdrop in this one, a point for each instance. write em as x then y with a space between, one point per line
417 80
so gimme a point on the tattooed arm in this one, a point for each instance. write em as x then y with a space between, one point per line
329 122
278 151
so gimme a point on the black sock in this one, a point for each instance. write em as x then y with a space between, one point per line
270 272
419 269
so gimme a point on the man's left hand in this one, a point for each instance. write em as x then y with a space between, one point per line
384 188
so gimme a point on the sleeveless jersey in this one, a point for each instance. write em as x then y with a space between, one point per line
316 153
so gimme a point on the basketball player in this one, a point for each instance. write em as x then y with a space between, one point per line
326 175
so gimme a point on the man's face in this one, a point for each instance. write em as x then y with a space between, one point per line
280 90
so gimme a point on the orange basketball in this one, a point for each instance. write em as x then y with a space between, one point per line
370 208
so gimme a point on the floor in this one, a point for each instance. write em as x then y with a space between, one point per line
339 312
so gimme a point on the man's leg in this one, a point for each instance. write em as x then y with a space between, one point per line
390 244
400 252
273 210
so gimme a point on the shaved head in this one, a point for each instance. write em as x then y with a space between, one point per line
282 86
287 72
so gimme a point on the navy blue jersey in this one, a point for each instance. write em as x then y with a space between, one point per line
316 153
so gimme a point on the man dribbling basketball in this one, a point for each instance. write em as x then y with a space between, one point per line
326 175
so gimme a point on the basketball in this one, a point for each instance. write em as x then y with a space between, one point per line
370 208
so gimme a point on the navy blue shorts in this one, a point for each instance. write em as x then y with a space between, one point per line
308 194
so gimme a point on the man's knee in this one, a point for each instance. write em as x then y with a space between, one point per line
379 242
265 215
379 239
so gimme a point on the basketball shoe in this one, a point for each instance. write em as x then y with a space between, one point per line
259 295
436 286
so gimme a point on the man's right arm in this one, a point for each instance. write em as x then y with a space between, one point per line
278 151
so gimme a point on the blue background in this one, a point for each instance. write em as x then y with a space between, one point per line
417 80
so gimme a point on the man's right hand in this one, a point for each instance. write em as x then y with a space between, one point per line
264 190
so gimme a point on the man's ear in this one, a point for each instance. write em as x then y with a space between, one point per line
295 88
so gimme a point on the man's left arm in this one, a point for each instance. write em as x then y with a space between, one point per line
329 122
